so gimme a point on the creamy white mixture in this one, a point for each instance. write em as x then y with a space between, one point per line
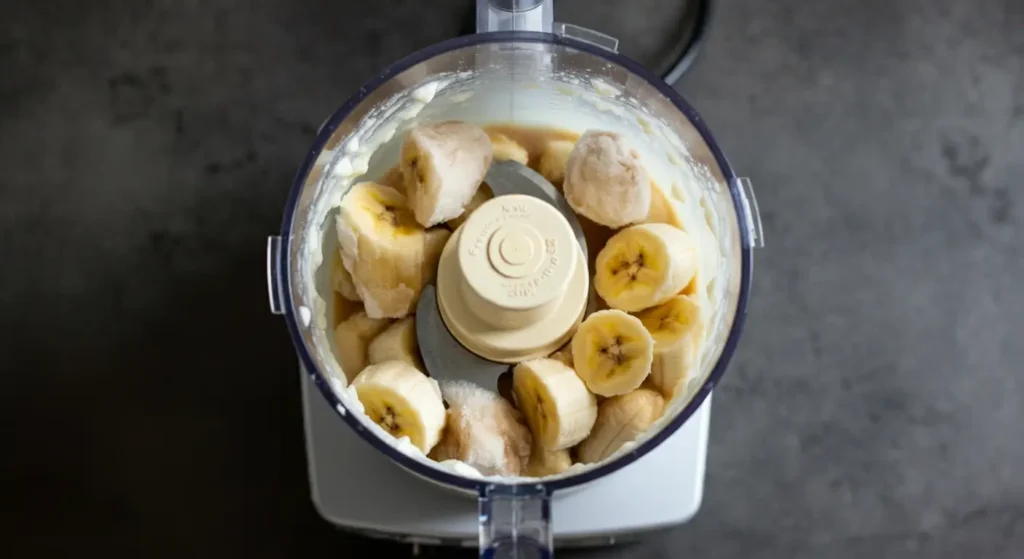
574 104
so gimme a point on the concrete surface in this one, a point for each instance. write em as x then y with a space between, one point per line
149 400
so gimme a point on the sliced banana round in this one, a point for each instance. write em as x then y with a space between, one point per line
507 149
547 462
673 369
341 280
396 343
644 265
620 420
553 159
612 352
382 247
352 338
482 195
691 218
558 407
402 401
676 321
443 164
484 431
605 180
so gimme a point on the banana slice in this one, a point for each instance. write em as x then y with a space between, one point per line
553 159
644 265
691 219
396 343
352 338
547 462
341 280
605 181
620 420
482 195
382 246
612 352
507 149
678 330
676 321
403 401
672 369
558 408
484 431
443 164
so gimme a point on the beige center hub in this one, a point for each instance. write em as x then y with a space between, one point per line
512 282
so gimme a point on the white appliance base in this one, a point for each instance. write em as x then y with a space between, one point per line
356 488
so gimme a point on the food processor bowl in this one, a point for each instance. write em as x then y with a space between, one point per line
567 78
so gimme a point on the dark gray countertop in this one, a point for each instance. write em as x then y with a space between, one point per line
876 407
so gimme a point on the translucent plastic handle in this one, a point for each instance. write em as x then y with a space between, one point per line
274 279
515 521
514 15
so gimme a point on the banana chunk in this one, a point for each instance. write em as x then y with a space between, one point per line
443 164
402 401
676 321
507 149
352 339
396 343
484 431
482 195
383 248
620 420
341 280
553 159
558 408
672 369
644 265
605 181
612 352
547 462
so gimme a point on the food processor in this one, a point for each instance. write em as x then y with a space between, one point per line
520 68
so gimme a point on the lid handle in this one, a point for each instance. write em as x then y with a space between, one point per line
274 280
595 38
514 15
751 213
515 521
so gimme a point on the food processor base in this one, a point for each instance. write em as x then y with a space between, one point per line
358 489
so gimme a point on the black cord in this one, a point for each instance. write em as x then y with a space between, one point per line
688 50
